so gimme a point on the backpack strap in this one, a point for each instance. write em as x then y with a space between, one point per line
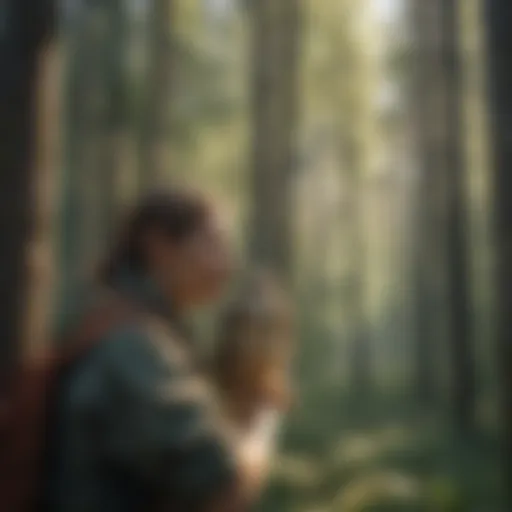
94 326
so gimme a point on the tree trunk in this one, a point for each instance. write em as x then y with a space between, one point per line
429 236
24 33
40 270
459 301
96 110
81 179
499 20
274 110
114 116
355 118
156 123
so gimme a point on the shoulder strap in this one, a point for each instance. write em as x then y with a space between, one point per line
94 326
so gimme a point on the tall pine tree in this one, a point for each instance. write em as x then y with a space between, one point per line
24 34
275 36
499 20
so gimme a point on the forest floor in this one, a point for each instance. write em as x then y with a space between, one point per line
383 459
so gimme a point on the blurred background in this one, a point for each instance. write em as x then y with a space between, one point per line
360 148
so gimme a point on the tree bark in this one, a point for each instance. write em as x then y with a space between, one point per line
355 114
274 109
114 116
157 114
40 269
25 32
429 238
498 15
461 356
81 210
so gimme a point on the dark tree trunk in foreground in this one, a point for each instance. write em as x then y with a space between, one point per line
156 122
275 82
499 20
459 301
25 31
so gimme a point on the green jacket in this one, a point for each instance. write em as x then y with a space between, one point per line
135 421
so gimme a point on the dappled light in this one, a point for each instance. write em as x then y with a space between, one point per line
357 150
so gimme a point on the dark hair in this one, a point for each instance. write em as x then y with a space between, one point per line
177 213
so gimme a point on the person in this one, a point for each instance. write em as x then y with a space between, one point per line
251 360
135 426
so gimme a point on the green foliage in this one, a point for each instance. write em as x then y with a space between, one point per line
379 448
383 459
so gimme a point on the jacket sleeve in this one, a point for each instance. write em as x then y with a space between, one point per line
160 423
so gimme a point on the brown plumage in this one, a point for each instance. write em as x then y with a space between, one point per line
254 348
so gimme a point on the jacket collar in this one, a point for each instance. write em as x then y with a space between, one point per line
147 293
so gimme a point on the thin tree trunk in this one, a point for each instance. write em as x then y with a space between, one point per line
89 172
40 270
96 101
156 123
114 115
499 20
274 110
355 114
79 219
24 33
459 303
429 243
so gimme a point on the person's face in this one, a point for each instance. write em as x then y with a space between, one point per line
195 270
